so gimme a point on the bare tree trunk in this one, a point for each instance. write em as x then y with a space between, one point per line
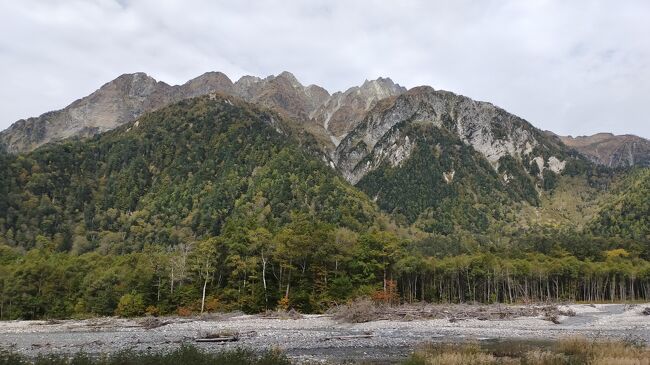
172 280
266 298
286 293
205 284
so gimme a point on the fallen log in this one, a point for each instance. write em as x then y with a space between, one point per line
218 339
350 337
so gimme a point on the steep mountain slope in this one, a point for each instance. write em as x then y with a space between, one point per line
344 110
611 150
178 173
489 130
115 103
448 160
283 93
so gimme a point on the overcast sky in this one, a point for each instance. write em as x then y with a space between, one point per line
574 67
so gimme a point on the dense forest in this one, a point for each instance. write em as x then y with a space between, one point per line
212 204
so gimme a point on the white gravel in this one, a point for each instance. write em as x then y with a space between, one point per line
310 338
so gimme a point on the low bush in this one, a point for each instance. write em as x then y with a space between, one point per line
130 305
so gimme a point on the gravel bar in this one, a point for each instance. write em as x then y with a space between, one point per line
317 338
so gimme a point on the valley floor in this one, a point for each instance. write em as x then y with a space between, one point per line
320 337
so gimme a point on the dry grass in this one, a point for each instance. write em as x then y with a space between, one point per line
454 354
604 352
565 352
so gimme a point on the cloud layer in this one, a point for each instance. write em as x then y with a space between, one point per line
574 67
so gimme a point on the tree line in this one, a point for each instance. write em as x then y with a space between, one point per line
309 266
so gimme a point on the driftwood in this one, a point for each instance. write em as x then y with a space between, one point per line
218 339
350 337
225 336
151 322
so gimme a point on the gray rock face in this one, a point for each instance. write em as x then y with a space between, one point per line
344 110
207 83
115 103
611 150
131 95
283 93
490 130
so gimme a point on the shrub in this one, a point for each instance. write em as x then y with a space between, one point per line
130 305
152 310
389 296
283 304
212 304
184 311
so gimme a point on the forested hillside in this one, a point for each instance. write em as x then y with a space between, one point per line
215 204
173 175
627 213
446 184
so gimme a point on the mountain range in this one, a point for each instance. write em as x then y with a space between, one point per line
329 118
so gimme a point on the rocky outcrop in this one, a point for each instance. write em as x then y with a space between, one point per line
488 129
611 150
283 93
115 103
344 110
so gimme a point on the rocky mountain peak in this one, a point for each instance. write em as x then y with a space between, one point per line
274 92
207 83
134 84
381 88
342 112
317 95
290 78
114 103
283 93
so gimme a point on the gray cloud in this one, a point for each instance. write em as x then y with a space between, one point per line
574 67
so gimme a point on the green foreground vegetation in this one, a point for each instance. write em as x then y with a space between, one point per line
205 206
184 355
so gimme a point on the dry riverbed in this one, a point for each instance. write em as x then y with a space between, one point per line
321 338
